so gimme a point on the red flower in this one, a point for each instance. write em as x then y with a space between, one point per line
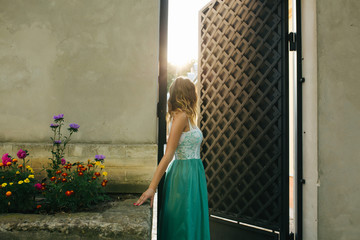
68 193
97 174
103 184
5 159
38 206
58 172
64 174
63 180
80 173
52 178
37 186
21 154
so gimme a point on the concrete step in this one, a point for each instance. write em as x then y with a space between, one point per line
116 220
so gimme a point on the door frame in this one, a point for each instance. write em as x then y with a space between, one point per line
161 110
162 83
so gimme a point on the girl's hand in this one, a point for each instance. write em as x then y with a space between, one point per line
149 193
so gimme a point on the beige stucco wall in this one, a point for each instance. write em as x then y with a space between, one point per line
338 61
310 120
94 61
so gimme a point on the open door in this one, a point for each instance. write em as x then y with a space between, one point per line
243 73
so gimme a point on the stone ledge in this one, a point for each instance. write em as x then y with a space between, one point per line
120 220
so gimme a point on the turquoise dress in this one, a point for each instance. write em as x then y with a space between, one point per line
184 214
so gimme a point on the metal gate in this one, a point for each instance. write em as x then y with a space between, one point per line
243 72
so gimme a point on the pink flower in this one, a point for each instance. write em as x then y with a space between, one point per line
5 159
38 186
63 161
21 154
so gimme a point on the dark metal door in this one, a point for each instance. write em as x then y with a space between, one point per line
243 72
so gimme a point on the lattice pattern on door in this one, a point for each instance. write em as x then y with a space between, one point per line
241 109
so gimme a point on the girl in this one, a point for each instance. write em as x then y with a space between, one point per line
184 213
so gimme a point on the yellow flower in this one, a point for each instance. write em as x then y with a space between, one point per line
28 166
97 163
102 166
17 172
20 182
31 176
105 173
4 184
11 183
26 180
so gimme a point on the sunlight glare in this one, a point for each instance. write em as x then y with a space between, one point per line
183 30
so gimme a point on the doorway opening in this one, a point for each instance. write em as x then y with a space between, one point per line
180 63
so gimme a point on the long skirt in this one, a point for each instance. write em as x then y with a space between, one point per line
184 212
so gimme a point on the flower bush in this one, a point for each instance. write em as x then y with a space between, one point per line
72 186
77 186
68 186
17 189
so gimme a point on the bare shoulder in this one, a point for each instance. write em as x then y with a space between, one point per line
179 120
180 116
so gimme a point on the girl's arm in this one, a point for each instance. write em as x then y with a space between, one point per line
177 127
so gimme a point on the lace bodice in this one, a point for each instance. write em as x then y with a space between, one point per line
189 144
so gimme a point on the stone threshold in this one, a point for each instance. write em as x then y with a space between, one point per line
116 219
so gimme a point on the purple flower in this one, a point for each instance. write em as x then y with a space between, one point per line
63 161
74 127
21 154
59 117
54 125
57 141
38 186
99 157
6 158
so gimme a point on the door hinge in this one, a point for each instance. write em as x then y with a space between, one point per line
292 41
157 109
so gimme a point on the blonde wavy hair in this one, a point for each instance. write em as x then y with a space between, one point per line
183 98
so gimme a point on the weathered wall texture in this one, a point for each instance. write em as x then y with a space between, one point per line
94 61
338 34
